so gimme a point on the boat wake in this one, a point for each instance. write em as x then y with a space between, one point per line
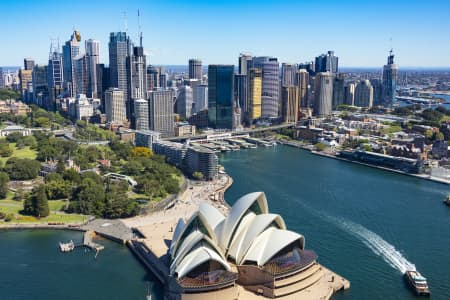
376 243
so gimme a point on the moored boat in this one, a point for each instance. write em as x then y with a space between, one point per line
418 283
447 200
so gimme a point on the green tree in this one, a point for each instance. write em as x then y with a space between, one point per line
320 146
198 175
19 195
5 150
88 198
42 122
4 180
22 168
37 203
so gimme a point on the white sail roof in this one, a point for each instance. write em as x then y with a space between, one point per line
242 242
196 258
269 243
238 210
176 234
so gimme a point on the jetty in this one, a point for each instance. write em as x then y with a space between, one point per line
87 242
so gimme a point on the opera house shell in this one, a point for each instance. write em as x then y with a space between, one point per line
210 254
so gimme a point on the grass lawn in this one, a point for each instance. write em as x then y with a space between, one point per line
11 206
25 152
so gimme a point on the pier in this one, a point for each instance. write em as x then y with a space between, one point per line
87 242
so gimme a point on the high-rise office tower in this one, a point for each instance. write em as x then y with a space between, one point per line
55 77
270 85
254 105
201 98
390 76
138 76
71 49
152 78
119 49
364 94
2 81
377 91
81 74
338 90
288 72
115 106
40 85
103 83
185 101
327 63
241 91
289 107
161 114
25 78
92 60
349 91
195 69
309 67
323 93
220 96
28 64
163 79
141 114
245 63
303 83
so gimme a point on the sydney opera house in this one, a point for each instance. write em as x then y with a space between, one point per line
247 254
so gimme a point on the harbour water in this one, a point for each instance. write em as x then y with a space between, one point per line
366 224
32 267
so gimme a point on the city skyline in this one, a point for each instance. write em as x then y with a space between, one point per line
216 33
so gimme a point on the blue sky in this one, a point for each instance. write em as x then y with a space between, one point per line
217 31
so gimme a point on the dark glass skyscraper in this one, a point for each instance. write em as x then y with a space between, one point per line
327 63
71 49
220 96
195 69
390 76
119 50
55 78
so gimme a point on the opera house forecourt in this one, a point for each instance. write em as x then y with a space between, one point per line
247 254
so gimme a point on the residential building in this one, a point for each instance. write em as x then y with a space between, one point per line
323 93
141 114
161 115
364 94
200 159
338 90
92 61
349 91
184 102
115 108
200 98
146 138
390 77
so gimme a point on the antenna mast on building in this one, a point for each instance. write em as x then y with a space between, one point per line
140 29
125 21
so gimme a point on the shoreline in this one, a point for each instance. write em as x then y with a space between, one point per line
327 155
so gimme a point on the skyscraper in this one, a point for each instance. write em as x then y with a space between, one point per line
323 93
71 49
81 74
28 64
241 91
290 97
40 85
55 77
245 63
185 101
349 91
195 69
364 94
390 76
138 76
220 96
254 107
103 83
201 98
327 63
338 90
270 85
141 114
115 106
377 91
161 115
152 77
119 50
92 60
288 72
303 83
